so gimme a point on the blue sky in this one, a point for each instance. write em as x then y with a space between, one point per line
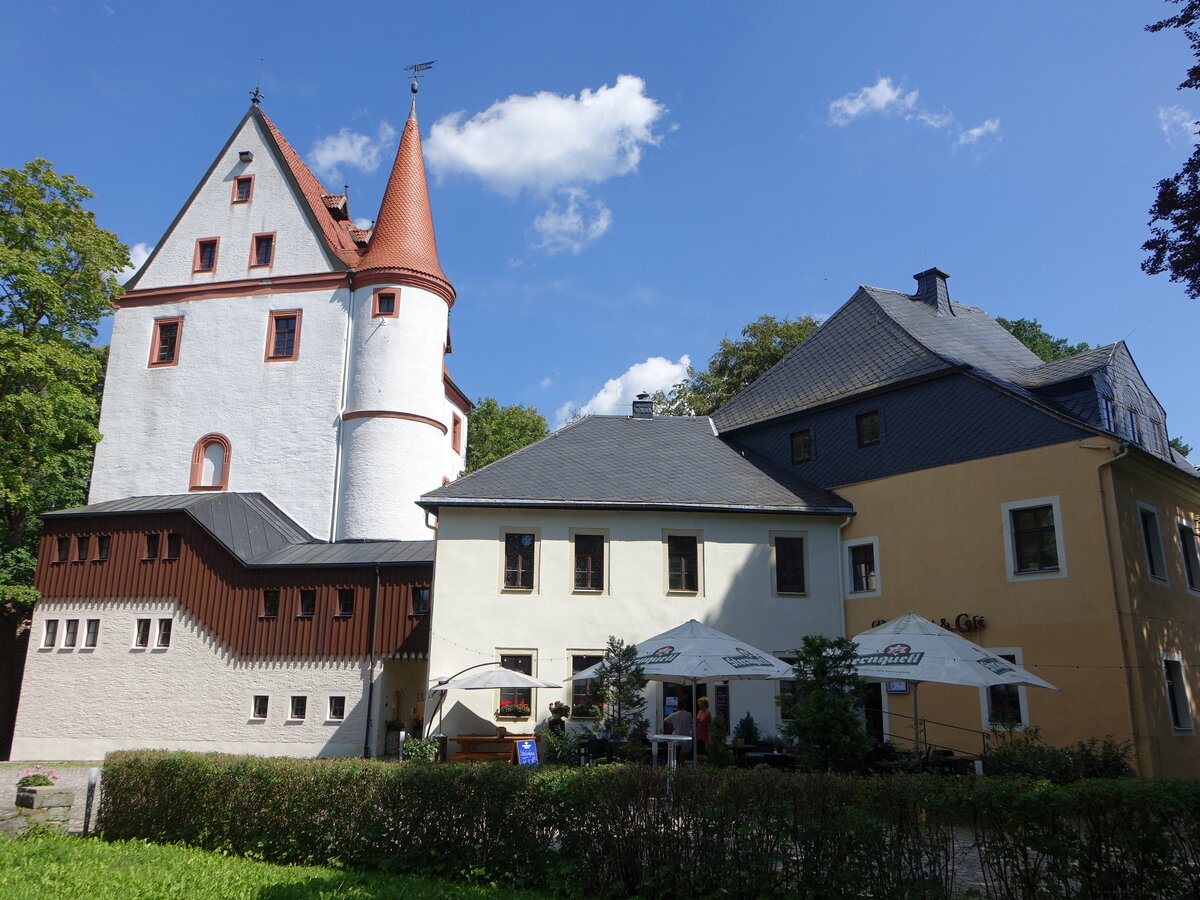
618 186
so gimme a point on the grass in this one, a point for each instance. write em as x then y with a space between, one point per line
65 867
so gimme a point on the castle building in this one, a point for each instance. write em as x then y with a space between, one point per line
251 572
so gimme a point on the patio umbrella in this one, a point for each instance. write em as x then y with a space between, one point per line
693 653
911 648
488 679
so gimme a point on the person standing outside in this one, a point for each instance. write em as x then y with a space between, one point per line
703 721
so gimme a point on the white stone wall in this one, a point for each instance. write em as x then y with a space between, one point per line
273 208
281 417
395 367
81 703
474 618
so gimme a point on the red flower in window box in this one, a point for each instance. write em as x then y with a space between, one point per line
513 709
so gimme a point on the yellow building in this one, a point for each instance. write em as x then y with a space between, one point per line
1034 507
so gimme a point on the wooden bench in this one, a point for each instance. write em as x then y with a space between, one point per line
489 747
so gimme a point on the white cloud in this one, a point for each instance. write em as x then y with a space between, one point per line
349 148
546 141
885 97
1177 124
881 97
363 223
616 397
138 254
972 136
573 223
546 382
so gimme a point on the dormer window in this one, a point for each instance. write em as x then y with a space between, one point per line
262 250
206 255
1108 414
243 188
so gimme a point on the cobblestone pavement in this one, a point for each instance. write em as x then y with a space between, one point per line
73 775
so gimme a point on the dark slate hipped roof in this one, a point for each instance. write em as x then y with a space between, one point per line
258 533
665 462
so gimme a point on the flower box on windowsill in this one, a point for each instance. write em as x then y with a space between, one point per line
510 710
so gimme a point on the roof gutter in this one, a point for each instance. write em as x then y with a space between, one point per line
434 504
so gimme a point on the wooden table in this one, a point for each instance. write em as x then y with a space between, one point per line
491 747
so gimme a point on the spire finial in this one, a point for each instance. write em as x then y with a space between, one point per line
256 95
417 69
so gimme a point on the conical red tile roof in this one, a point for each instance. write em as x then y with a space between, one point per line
403 237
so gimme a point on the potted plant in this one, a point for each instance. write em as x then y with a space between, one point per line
513 709
36 776
559 710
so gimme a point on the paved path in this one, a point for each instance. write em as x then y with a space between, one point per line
73 775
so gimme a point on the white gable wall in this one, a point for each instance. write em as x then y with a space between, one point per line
474 618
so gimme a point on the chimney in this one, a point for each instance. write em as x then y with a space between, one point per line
643 407
931 289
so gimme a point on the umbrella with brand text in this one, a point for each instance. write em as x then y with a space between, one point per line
911 648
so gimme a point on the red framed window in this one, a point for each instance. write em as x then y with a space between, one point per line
243 188
205 258
210 464
385 304
283 335
456 433
164 346
262 250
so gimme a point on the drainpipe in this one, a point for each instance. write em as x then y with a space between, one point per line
337 453
1115 578
841 570
372 614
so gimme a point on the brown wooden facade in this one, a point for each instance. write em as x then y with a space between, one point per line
226 596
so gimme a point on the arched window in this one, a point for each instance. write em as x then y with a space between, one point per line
210 463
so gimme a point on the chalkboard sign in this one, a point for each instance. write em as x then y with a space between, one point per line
527 753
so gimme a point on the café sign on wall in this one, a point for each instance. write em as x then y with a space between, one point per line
963 623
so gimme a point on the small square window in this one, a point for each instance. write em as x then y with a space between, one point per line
81 548
337 707
174 545
789 565
384 305
71 636
141 636
519 551
92 635
206 255
258 709
420 601
103 546
164 348
870 431
283 335
50 636
802 446
345 601
683 558
270 603
152 542
589 562
299 708
308 603
62 547
164 633
243 188
263 250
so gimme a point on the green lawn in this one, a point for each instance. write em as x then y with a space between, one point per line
65 867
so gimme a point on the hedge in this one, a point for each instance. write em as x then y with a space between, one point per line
615 831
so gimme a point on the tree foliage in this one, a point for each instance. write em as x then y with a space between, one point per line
620 681
734 366
823 714
1046 346
1174 246
56 281
496 431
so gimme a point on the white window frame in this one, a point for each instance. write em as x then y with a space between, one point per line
803 536
137 627
848 556
506 530
291 716
603 534
49 635
253 708
1183 699
698 534
70 634
1192 553
985 704
1163 578
90 639
531 652
329 716
1010 556
158 634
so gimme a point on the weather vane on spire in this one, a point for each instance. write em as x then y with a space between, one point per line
417 69
256 95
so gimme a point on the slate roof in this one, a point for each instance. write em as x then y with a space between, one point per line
258 533
666 462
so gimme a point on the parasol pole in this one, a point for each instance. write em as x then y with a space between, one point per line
916 720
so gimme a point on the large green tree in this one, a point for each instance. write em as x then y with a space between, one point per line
496 431
1174 245
57 279
734 366
823 713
